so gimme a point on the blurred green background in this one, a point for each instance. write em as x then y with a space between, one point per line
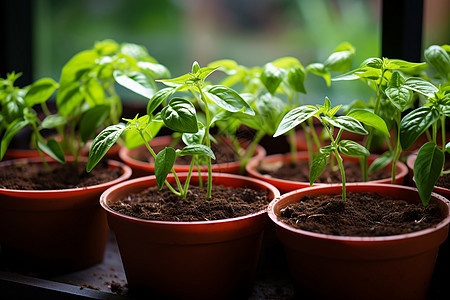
252 32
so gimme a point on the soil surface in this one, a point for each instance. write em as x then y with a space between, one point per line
444 181
69 175
363 214
226 202
299 171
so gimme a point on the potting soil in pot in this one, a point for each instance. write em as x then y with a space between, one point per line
362 214
299 171
62 176
226 202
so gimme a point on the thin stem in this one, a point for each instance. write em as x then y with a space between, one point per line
443 132
251 150
338 159
207 140
188 179
45 109
180 187
397 149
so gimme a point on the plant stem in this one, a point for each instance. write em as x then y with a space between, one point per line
397 149
443 132
188 179
251 150
313 133
180 187
207 141
338 159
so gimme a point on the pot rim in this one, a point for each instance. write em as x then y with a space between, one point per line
380 239
251 168
182 176
126 173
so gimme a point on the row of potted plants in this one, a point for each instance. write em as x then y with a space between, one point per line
215 254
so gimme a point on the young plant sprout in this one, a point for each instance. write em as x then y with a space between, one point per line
327 116
383 75
16 112
179 115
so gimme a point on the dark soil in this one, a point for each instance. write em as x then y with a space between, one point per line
363 214
224 152
299 171
69 175
226 202
444 181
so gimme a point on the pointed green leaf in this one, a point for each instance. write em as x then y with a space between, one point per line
293 118
53 121
158 98
296 78
139 82
382 161
92 120
272 77
157 71
164 162
40 91
351 148
427 169
318 165
439 59
339 61
10 132
415 123
347 123
400 97
53 149
180 115
319 70
228 99
69 98
421 86
133 139
196 150
194 138
102 143
369 118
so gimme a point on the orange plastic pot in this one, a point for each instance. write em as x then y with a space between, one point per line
342 267
20 153
54 230
188 260
410 163
289 185
143 168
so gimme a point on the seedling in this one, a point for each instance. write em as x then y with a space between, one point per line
179 115
327 116
16 112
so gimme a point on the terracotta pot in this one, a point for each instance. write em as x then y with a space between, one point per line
54 230
340 267
143 168
20 153
290 185
188 260
410 163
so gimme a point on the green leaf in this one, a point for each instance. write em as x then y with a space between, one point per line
339 61
272 77
194 138
92 120
139 82
286 62
427 169
137 52
382 161
228 99
415 123
369 118
296 78
421 86
373 62
447 147
319 70
159 98
400 97
95 92
351 148
174 82
157 71
196 150
180 115
293 118
53 149
40 91
53 121
10 132
395 64
133 139
439 59
205 72
317 166
164 162
347 123
69 98
102 143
